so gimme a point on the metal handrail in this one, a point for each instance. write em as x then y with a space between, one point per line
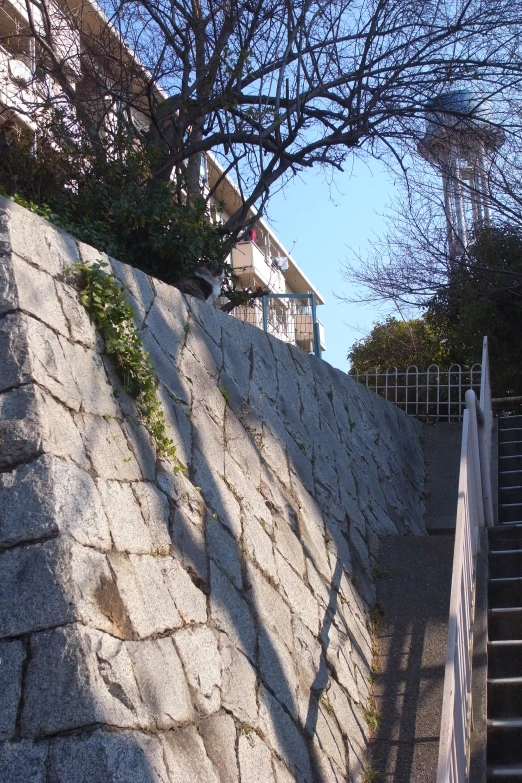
474 509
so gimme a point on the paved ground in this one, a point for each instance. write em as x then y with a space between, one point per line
442 454
411 642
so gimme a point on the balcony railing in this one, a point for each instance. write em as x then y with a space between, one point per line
291 318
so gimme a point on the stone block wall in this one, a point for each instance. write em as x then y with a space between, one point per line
209 626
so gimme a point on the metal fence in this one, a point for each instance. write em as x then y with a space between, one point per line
289 317
431 395
473 511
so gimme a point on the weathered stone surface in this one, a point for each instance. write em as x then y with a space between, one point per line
219 737
330 738
284 736
243 476
311 667
208 318
31 589
100 679
161 682
186 757
107 448
35 240
136 283
269 607
277 669
128 756
301 600
338 654
128 529
23 762
198 650
144 593
49 495
255 762
81 328
236 668
90 255
36 295
223 549
31 422
204 347
350 716
88 372
216 494
281 773
14 351
189 544
12 657
189 600
289 546
231 613
292 476
258 545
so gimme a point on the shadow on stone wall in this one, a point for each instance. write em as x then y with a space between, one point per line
207 626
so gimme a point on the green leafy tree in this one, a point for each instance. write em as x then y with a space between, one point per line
398 343
484 297
111 201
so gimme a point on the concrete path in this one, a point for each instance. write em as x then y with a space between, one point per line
413 594
442 455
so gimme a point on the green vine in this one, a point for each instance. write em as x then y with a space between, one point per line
105 301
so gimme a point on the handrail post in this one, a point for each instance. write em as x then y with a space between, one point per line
485 436
471 405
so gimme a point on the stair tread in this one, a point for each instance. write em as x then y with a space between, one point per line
505 551
500 609
504 680
507 642
497 579
505 771
504 723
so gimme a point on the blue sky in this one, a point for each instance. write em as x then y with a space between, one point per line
318 223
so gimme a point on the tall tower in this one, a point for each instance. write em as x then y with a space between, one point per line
460 136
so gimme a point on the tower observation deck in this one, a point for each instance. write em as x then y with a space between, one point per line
460 137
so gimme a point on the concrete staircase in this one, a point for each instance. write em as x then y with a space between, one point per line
504 747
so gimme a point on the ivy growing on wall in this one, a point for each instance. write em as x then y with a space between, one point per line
104 299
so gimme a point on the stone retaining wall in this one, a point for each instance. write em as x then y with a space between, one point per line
207 626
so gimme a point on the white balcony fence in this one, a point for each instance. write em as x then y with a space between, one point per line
289 317
474 510
430 395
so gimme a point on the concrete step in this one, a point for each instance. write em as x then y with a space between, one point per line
505 592
511 494
505 624
511 448
505 562
505 537
513 433
509 463
509 422
505 698
504 742
505 658
509 512
509 478
505 774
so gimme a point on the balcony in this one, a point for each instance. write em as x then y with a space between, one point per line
253 269
304 332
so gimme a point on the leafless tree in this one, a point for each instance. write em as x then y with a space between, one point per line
269 86
414 258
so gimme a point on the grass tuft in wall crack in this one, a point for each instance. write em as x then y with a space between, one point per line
104 299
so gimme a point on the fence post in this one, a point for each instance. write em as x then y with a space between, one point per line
317 339
264 301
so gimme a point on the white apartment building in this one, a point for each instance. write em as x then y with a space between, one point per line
289 310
